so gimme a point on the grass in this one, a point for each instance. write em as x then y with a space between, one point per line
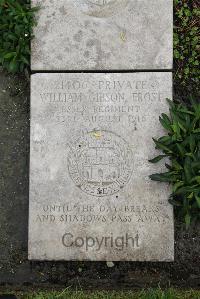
148 294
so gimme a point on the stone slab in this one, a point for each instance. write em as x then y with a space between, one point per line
90 193
103 35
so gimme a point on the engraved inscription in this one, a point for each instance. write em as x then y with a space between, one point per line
102 213
100 163
89 170
101 101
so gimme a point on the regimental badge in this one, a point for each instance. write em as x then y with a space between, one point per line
100 163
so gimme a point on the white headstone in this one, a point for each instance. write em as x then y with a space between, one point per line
103 35
90 193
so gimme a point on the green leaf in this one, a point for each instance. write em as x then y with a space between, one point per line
176 128
163 147
165 121
23 59
176 165
195 179
196 165
174 202
196 107
157 159
197 200
186 189
196 131
169 167
194 123
190 196
13 66
186 111
164 177
166 140
177 185
192 143
181 149
171 103
9 55
182 127
187 170
187 220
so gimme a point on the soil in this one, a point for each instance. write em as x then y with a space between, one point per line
19 273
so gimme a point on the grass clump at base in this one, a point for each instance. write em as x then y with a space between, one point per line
149 294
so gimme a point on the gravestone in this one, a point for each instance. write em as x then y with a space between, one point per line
103 35
90 193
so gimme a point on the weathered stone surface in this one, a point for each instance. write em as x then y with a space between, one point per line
103 34
90 194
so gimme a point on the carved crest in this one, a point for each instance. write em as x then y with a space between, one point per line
100 163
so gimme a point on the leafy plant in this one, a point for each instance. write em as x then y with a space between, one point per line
187 42
17 19
182 146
